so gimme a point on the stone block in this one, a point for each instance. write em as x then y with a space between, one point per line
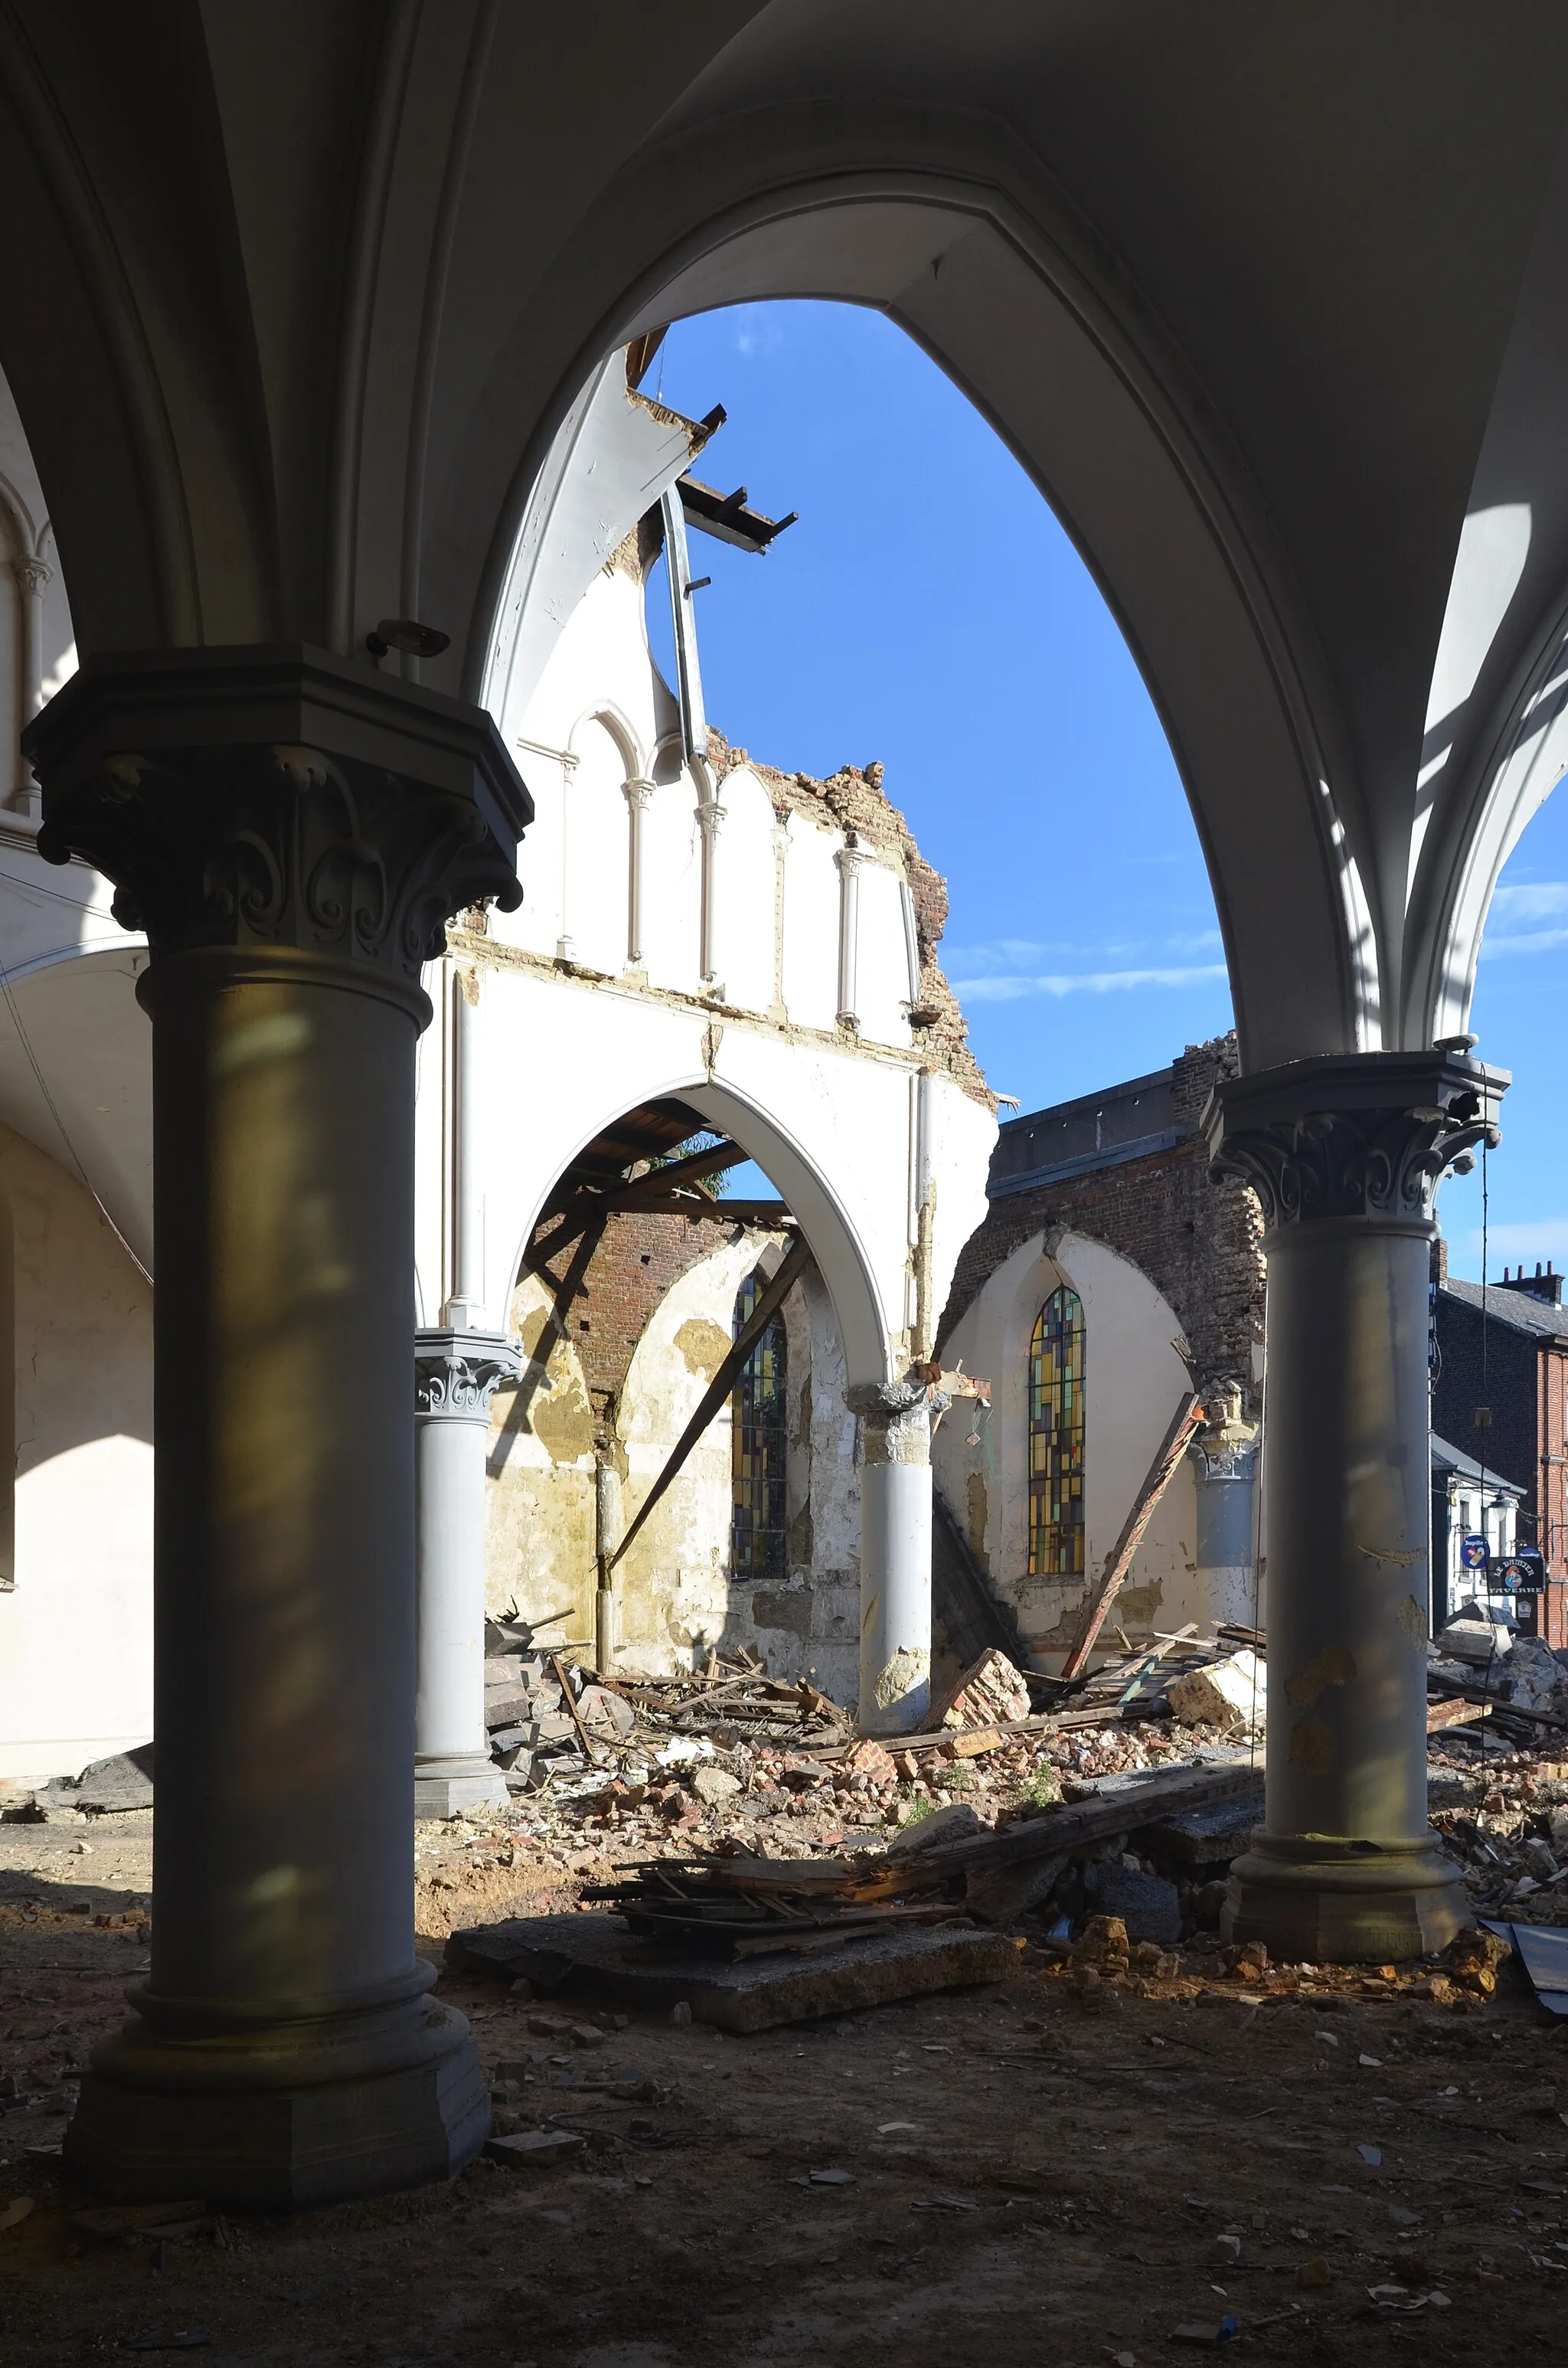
1147 1905
1227 1694
593 1957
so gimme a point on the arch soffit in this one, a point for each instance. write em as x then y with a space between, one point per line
850 204
1522 756
835 1243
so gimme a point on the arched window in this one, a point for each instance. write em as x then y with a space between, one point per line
758 1544
1056 1438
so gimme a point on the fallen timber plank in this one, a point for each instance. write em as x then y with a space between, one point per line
1085 1822
1158 1478
1458 1713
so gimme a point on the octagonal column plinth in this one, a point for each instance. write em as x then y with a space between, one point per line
456 1375
895 1552
291 833
1345 1155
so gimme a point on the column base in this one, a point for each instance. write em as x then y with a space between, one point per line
1318 1901
280 2116
445 1788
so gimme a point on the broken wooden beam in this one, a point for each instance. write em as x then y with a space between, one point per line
792 1266
1121 1811
1160 1475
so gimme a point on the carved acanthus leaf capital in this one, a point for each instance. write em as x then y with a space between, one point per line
1369 1135
282 799
458 1373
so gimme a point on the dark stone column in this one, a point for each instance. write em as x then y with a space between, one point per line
292 833
1345 1155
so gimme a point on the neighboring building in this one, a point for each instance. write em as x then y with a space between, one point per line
1110 1278
1468 1501
1502 1351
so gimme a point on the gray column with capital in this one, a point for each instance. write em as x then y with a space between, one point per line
1345 1155
291 832
456 1375
895 1552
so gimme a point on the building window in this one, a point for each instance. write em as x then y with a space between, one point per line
758 1546
1056 1438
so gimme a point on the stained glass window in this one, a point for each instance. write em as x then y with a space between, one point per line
758 1543
1056 1438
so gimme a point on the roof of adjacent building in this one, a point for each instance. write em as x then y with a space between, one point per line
1517 1311
1454 1460
1099 1129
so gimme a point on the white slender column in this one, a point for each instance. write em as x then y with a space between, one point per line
457 1367
710 815
456 1375
463 1308
1345 1155
849 860
638 793
895 1552
290 832
1224 1467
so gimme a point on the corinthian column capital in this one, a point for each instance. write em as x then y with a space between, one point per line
1366 1135
278 798
458 1373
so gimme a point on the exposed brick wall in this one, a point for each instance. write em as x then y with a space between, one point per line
1508 1388
635 1261
1199 1242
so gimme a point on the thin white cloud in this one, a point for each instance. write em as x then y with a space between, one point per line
1529 941
1011 989
1520 1244
1532 900
1018 957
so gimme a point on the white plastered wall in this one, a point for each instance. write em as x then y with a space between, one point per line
76 1631
1133 1382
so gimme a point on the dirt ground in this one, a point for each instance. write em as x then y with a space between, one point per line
1034 2173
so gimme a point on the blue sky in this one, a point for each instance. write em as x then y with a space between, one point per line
928 610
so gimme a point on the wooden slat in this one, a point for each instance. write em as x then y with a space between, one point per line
791 1267
1157 1480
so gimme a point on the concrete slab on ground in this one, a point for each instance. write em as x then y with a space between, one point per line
594 1956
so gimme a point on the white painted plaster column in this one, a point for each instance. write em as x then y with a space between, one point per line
456 1375
849 860
638 793
290 833
609 1529
1225 1468
710 815
895 1552
457 1367
1345 1155
32 576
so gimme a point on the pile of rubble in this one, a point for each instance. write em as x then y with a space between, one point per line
1509 1829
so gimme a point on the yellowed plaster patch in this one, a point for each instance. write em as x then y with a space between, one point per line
704 1345
907 1670
1311 1744
1332 1667
978 1507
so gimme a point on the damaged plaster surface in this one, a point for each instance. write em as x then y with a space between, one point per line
581 1391
1133 1381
